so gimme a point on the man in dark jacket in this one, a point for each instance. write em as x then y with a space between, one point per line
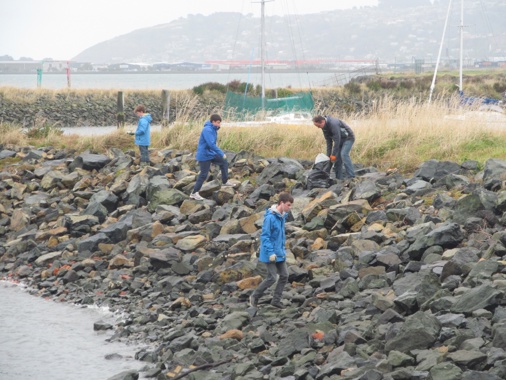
273 251
340 138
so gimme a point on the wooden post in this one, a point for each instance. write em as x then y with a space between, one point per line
120 110
165 108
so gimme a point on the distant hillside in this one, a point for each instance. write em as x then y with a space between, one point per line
400 35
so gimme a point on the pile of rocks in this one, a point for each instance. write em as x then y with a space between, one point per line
390 277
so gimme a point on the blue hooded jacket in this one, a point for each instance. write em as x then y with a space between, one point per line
207 148
273 239
142 133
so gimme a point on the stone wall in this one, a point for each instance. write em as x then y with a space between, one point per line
67 108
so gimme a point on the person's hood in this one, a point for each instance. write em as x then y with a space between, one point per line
275 211
209 124
147 117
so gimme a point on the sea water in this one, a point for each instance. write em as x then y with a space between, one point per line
42 339
167 81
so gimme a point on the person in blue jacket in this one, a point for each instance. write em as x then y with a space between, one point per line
143 134
273 251
208 153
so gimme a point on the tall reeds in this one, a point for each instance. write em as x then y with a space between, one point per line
399 134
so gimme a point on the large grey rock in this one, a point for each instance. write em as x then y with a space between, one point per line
88 161
6 153
495 170
448 235
434 170
281 168
481 297
419 331
106 198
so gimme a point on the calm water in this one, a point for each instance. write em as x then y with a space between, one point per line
172 81
41 339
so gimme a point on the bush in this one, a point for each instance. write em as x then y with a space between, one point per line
240 87
352 88
407 84
284 92
373 85
43 131
499 87
210 86
234 85
388 84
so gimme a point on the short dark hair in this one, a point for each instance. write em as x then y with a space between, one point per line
140 108
285 197
318 119
215 117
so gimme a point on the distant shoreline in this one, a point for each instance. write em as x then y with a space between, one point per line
245 71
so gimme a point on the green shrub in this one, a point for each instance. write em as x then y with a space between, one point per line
210 86
353 88
499 87
284 92
373 85
388 84
43 131
407 84
234 85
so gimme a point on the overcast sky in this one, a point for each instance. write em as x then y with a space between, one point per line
61 29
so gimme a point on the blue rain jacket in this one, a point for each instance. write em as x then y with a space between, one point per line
207 148
142 133
273 239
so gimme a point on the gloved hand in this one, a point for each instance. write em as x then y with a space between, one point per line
333 158
272 258
224 156
131 133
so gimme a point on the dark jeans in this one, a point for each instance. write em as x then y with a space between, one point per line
273 270
345 155
338 165
144 150
343 159
204 171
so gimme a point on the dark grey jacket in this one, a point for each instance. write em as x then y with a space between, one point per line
332 133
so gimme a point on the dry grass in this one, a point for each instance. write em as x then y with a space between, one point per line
395 134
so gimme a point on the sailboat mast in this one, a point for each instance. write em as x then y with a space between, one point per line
262 51
433 84
461 44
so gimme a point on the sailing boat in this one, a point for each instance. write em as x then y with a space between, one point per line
463 99
292 106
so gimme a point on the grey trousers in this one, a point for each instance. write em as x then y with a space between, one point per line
273 270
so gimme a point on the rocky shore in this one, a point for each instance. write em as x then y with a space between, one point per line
391 277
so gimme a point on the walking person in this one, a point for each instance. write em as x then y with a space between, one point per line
143 134
340 138
273 251
208 153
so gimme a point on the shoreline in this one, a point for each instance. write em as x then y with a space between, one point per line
381 253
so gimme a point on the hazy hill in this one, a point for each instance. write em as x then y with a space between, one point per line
391 34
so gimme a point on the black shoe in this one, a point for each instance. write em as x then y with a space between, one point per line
253 301
278 305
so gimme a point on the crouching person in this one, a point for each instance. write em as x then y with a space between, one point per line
273 252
